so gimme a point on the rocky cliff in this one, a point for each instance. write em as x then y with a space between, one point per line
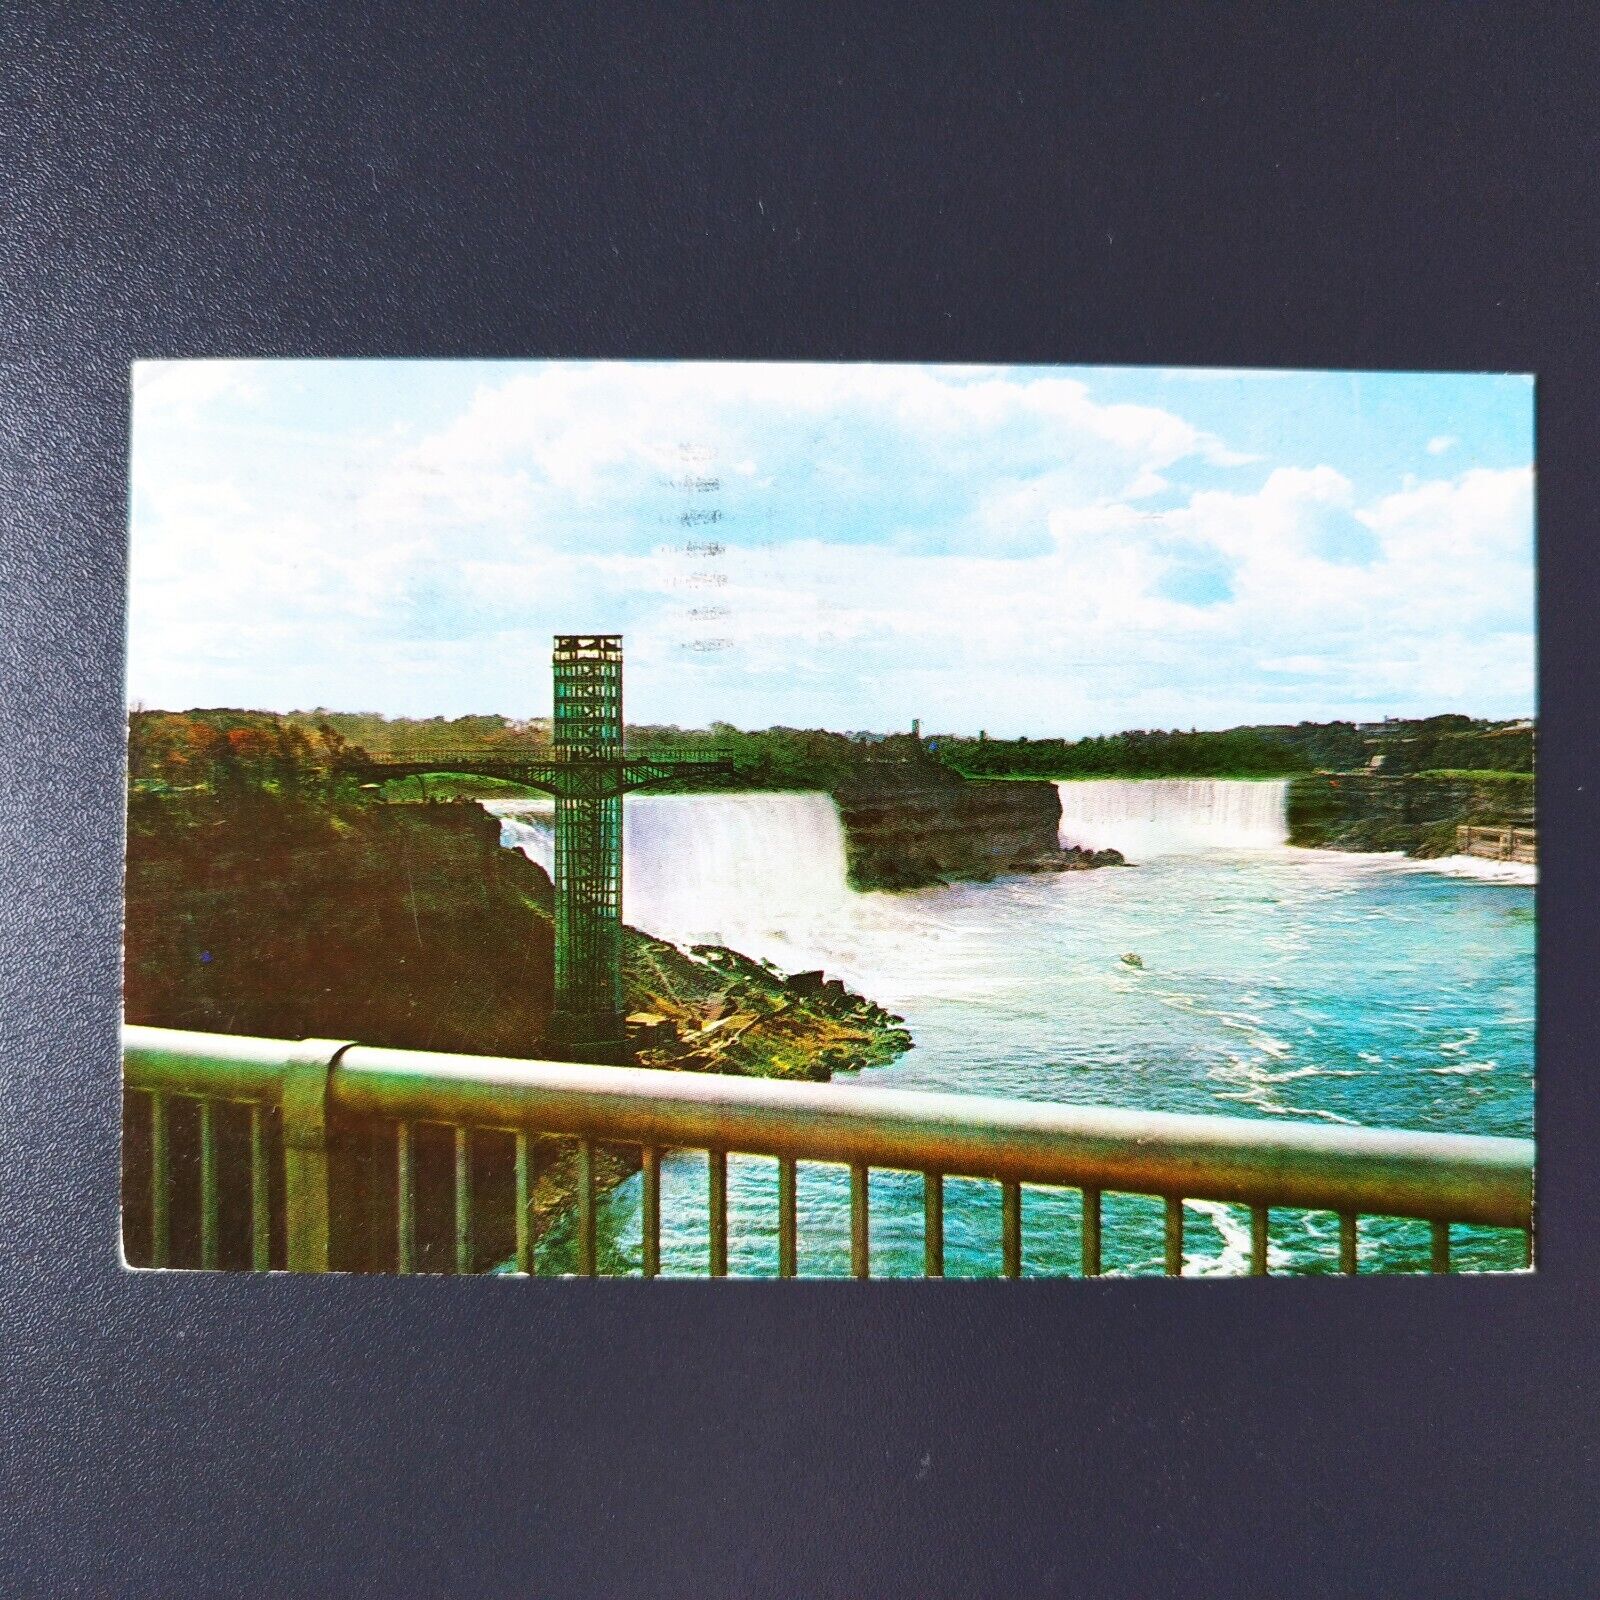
911 825
1418 813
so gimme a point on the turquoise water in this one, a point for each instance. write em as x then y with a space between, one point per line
1276 983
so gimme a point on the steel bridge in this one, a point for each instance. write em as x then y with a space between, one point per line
588 771
316 1143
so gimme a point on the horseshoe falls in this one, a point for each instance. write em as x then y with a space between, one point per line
1275 982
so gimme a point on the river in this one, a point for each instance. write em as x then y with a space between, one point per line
1275 982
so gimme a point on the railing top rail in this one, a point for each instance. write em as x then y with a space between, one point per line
1448 1177
219 1065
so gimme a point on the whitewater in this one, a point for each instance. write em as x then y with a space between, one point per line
1275 982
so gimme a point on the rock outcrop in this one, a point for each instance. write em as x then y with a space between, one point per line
914 824
1417 814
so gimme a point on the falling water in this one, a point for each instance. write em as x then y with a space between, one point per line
763 873
1149 817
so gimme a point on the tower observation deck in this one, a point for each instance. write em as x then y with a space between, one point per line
588 771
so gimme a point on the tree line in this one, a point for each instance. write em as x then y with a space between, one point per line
1239 752
1450 742
223 750
322 751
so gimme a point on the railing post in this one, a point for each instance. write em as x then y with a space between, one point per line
524 1231
1439 1251
717 1180
405 1191
160 1191
860 1264
1011 1229
587 1252
932 1225
1091 1233
260 1192
1174 1236
463 1206
788 1220
209 1207
305 1151
1348 1261
650 1219
1260 1223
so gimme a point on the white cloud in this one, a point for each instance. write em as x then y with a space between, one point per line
187 388
1441 444
952 543
608 438
1223 374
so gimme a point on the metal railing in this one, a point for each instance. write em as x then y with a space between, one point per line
445 762
333 1108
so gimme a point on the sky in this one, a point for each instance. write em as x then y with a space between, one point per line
1049 551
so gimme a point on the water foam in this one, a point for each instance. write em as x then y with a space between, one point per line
1518 873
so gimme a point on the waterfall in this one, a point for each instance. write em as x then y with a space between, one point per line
764 873
1148 817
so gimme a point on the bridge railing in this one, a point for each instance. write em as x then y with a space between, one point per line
445 761
326 1138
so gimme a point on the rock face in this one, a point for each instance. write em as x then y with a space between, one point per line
1418 814
400 925
911 825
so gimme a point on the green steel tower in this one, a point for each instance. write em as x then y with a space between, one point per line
587 736
588 771
589 776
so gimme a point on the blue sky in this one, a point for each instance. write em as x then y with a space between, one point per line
1042 550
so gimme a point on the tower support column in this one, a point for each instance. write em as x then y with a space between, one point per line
588 1019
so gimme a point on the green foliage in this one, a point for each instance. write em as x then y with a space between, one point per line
407 737
1323 746
286 914
1239 752
1473 775
787 758
1427 744
1433 749
227 751
437 786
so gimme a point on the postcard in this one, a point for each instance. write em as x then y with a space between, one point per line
825 820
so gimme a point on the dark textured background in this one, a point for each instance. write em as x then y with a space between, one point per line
1395 186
